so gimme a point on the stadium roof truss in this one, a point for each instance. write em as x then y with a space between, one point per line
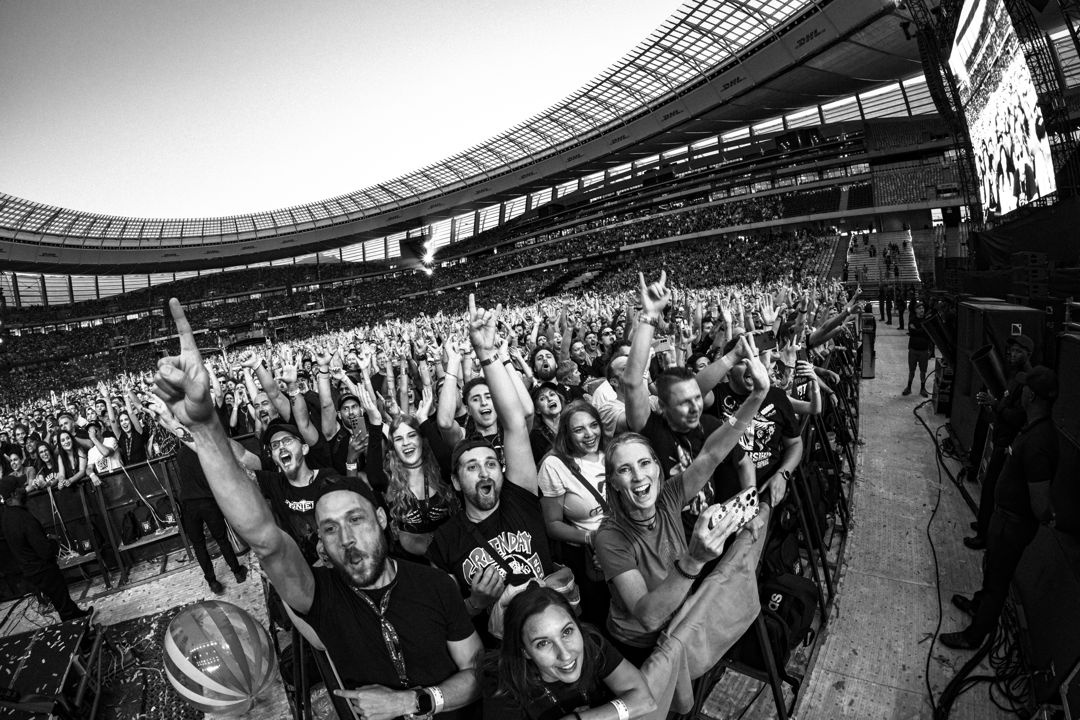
688 50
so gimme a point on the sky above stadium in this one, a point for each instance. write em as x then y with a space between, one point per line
159 108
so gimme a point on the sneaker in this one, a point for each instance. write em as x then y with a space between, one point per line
959 641
907 391
241 574
975 543
922 391
217 588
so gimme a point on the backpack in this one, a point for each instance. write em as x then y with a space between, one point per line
145 521
781 554
788 605
164 511
129 528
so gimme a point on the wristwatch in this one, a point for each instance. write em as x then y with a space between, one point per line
425 704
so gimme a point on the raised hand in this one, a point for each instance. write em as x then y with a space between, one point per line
427 401
249 358
758 372
323 358
182 381
654 297
789 352
482 325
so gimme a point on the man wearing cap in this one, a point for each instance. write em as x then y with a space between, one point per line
397 632
1008 418
1022 501
33 550
340 420
500 537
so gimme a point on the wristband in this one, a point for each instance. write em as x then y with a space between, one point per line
350 466
437 699
507 362
688 576
487 361
655 322
293 393
620 707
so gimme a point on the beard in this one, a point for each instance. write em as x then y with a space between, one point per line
362 568
544 373
483 501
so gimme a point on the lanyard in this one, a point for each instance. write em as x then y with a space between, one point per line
389 633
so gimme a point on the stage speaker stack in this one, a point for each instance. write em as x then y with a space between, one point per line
982 322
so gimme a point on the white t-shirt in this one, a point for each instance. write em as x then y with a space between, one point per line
580 508
604 393
613 415
101 464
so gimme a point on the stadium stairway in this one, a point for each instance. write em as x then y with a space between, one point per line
869 271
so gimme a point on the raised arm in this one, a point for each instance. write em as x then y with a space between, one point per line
257 363
721 442
448 395
184 385
296 400
327 410
517 450
654 298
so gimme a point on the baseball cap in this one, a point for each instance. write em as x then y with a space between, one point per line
276 427
1042 380
9 484
548 385
345 398
1023 341
327 484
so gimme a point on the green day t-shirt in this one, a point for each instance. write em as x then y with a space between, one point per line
515 531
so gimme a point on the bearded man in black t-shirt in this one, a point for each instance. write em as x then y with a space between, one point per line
397 632
500 537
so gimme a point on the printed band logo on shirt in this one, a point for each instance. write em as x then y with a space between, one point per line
300 506
514 547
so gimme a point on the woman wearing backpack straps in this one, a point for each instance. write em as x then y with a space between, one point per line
571 481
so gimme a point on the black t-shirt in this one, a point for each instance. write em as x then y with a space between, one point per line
132 447
294 508
193 484
774 421
516 530
424 608
918 339
1032 458
551 701
680 448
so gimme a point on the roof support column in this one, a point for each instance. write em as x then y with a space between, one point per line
476 223
71 290
453 229
44 292
16 295
97 287
528 202
502 212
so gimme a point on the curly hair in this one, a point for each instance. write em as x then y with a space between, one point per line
397 474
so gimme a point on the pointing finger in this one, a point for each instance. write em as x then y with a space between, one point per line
663 277
183 328
472 305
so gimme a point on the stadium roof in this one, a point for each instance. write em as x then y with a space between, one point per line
712 62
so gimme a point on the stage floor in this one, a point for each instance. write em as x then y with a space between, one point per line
871 662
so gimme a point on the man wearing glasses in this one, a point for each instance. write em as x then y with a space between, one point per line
399 650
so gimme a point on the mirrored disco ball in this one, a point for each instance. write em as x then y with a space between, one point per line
218 657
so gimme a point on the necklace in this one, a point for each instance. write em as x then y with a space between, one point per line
648 523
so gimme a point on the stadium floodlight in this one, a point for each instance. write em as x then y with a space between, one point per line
429 257
428 271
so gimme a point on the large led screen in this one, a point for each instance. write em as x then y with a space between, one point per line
1008 136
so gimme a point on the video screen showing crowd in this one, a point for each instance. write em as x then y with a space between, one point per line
495 511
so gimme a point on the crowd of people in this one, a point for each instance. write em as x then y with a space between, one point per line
537 485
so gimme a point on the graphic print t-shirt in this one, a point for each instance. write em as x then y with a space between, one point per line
763 441
515 530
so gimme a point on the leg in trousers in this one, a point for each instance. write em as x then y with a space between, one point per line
192 519
1005 544
986 492
215 523
51 584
